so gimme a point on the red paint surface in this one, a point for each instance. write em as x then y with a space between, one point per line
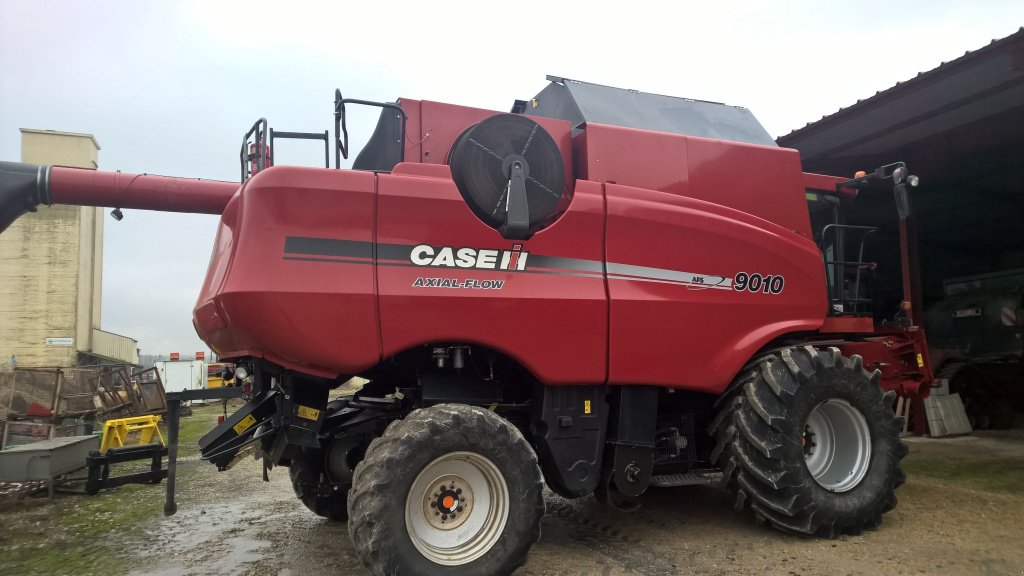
761 181
316 317
81 187
692 336
666 202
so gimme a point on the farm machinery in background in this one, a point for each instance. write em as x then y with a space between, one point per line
603 290
977 342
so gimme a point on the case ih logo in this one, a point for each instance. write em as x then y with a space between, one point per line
449 257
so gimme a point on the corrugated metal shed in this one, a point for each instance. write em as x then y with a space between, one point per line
960 127
980 93
115 347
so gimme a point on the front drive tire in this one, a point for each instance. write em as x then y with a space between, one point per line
808 441
451 489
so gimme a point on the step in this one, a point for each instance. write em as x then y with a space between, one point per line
686 479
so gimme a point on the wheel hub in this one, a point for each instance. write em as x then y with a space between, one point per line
449 504
808 442
837 445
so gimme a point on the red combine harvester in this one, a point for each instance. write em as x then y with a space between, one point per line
604 289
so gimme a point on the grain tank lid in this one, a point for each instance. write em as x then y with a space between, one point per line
581 102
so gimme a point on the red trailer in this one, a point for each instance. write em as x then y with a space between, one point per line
604 290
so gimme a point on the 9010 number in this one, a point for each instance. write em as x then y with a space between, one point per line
758 283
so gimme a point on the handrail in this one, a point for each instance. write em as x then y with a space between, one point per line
261 147
341 147
835 278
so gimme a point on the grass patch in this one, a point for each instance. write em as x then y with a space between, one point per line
85 535
980 472
75 533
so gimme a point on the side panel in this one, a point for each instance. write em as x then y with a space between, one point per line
442 124
761 180
295 270
551 315
678 316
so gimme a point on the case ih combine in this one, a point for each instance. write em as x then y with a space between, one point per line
605 290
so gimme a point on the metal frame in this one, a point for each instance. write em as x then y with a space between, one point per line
174 400
262 136
341 148
99 463
839 268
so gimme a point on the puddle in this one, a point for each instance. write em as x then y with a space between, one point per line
221 539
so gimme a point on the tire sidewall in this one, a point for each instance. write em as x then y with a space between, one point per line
856 389
525 504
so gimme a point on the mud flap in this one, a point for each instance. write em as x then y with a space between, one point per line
569 433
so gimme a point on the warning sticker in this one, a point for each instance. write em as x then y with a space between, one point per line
244 424
586 406
308 413
920 361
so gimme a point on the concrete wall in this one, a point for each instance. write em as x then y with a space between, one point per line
51 266
59 148
39 288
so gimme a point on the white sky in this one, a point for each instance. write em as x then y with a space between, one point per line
170 87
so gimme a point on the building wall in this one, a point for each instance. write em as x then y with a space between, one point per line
59 148
51 266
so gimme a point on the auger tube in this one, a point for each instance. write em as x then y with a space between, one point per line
23 187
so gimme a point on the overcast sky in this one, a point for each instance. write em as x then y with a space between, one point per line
170 87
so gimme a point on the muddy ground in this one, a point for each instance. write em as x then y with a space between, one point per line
961 512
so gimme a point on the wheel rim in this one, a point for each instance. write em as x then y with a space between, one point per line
837 445
457 508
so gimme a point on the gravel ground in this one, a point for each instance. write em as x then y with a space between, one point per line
961 512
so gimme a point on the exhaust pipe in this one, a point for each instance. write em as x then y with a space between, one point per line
23 187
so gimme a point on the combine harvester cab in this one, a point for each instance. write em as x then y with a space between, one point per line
602 290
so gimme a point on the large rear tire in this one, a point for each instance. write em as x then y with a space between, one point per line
450 489
808 441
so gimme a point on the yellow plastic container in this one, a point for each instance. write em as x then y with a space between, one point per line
130 432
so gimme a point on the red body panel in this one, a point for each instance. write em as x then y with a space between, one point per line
433 127
646 278
306 310
674 331
554 324
759 180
